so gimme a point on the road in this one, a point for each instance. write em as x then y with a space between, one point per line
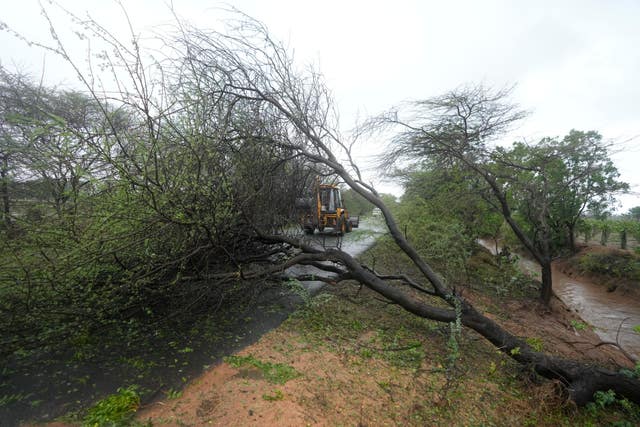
354 243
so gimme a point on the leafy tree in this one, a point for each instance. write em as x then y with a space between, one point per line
634 212
585 178
453 193
51 142
540 190
355 203
389 199
554 181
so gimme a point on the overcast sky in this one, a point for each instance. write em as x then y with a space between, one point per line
576 63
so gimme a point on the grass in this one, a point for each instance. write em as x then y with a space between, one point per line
401 364
577 325
536 343
173 394
8 399
276 373
613 264
407 358
275 396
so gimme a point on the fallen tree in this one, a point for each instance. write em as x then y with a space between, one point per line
291 112
256 67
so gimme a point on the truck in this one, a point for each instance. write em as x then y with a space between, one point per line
325 210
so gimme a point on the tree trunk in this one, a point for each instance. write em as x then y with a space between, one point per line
581 380
4 192
546 288
571 238
623 239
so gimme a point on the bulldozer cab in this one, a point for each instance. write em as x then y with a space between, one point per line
330 199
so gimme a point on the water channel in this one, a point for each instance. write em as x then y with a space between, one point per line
612 314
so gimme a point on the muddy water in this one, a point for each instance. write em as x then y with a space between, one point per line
612 314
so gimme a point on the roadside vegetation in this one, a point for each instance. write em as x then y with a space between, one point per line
617 265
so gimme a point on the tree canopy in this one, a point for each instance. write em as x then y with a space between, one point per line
554 181
540 189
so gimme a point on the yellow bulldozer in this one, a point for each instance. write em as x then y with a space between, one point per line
325 210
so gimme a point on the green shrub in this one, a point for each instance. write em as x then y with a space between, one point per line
114 410
616 264
502 278
577 325
443 241
535 343
602 399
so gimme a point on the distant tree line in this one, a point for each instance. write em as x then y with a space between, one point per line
606 229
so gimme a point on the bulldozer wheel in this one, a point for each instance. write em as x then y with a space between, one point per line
349 227
341 226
